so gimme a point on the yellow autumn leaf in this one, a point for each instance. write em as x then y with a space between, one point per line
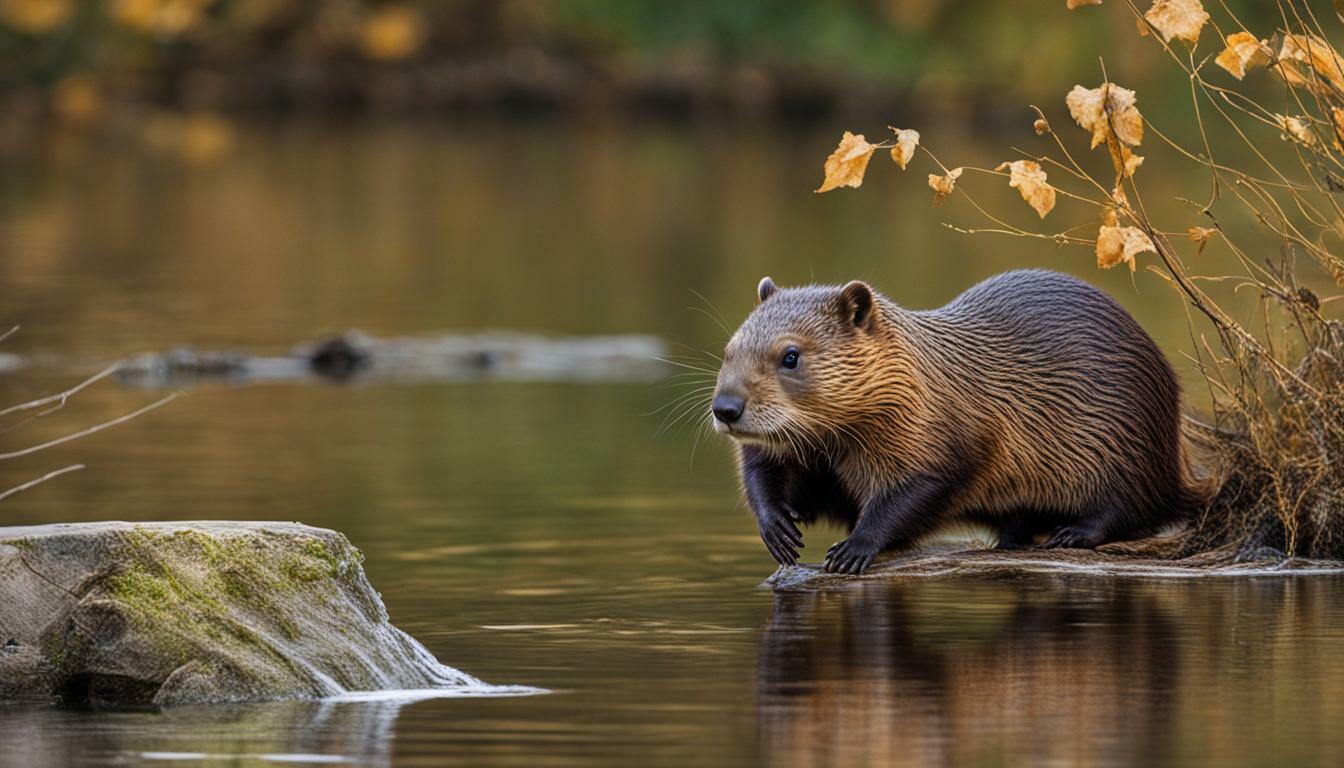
1110 210
36 16
1119 201
164 18
846 165
1129 161
1178 18
393 33
1106 110
1200 235
1303 59
1080 3
1296 129
906 141
1108 216
1117 244
1027 177
77 99
1243 52
942 185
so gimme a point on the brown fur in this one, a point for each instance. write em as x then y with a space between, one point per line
1032 402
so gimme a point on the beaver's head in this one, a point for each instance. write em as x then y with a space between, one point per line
798 367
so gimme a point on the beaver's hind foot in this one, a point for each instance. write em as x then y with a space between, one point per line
1076 536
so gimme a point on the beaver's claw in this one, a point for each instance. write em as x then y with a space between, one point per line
850 556
781 536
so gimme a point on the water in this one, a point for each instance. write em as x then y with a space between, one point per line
548 534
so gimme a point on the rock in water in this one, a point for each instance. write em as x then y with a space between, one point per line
186 613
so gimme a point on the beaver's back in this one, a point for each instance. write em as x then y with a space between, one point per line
1072 403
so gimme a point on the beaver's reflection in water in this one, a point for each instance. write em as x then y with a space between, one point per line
969 673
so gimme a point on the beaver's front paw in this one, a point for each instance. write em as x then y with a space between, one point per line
853 555
781 536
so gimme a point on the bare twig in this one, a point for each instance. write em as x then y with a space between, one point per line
40 480
61 397
90 430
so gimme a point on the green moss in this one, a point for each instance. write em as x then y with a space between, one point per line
304 570
25 544
142 536
319 551
288 627
138 587
192 584
53 648
208 546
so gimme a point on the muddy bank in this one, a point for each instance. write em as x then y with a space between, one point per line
1112 560
497 355
188 613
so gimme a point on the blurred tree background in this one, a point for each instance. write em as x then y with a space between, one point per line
83 61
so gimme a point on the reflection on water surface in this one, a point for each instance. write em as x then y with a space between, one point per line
544 533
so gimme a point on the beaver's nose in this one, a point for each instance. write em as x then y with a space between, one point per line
728 408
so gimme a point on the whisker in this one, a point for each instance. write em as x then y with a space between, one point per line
687 366
723 321
716 320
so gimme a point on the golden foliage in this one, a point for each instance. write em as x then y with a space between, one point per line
1337 127
393 33
847 164
163 18
77 99
1243 52
35 16
1297 129
200 139
1116 244
1107 110
942 185
1116 202
1027 177
1129 161
906 141
1304 59
1201 236
1178 18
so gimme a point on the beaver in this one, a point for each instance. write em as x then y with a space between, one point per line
1033 403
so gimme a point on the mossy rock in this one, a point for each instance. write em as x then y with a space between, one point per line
184 613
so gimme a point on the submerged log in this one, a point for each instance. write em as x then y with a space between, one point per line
454 357
186 613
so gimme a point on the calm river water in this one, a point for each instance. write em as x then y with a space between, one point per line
548 534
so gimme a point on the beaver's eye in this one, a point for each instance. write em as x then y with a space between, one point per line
790 360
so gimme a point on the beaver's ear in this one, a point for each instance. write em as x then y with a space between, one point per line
765 289
856 303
